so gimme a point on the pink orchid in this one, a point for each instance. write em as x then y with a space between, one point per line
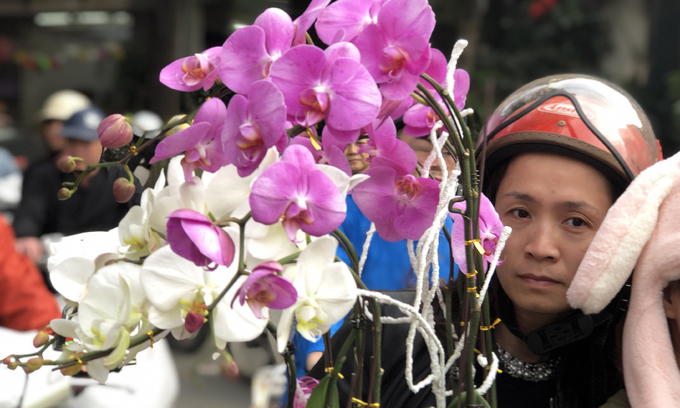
295 190
490 229
192 73
200 142
401 205
305 385
394 109
420 119
344 19
193 236
249 52
265 288
396 48
305 21
253 125
330 85
332 153
384 143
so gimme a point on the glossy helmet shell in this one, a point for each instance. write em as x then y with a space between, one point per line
555 125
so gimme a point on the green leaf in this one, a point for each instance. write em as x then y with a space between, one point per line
325 395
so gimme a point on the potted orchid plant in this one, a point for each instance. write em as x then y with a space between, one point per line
258 229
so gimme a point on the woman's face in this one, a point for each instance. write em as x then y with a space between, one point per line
358 162
554 205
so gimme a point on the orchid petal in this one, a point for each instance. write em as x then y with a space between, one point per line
167 277
350 16
279 31
181 141
244 59
305 21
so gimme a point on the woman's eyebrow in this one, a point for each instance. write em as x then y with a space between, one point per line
577 205
567 204
520 196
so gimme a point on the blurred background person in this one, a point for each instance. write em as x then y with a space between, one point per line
91 208
58 108
358 161
422 146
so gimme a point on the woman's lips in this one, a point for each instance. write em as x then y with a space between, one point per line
538 280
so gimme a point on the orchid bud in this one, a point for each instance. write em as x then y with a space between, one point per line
123 190
71 370
67 164
40 339
10 362
193 322
64 194
34 364
114 131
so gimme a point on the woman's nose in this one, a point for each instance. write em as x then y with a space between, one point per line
352 148
542 242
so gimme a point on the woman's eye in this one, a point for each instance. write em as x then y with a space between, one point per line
576 222
520 213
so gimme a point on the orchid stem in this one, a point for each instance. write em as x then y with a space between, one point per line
137 340
349 249
36 353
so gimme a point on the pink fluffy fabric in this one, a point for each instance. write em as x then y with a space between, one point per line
641 231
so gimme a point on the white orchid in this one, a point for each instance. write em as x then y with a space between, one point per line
108 315
342 181
180 294
326 292
227 193
134 229
75 258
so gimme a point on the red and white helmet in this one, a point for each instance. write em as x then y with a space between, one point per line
577 115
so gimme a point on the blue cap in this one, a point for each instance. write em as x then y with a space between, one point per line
83 125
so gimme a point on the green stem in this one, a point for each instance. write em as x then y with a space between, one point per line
464 147
288 259
129 173
292 378
294 131
446 120
135 341
376 375
36 353
349 249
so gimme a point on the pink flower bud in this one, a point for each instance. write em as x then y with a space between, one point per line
123 190
193 322
64 194
114 131
10 362
41 339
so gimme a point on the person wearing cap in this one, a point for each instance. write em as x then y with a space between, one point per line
555 156
56 109
91 208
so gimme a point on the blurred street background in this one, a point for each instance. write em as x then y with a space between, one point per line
113 51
